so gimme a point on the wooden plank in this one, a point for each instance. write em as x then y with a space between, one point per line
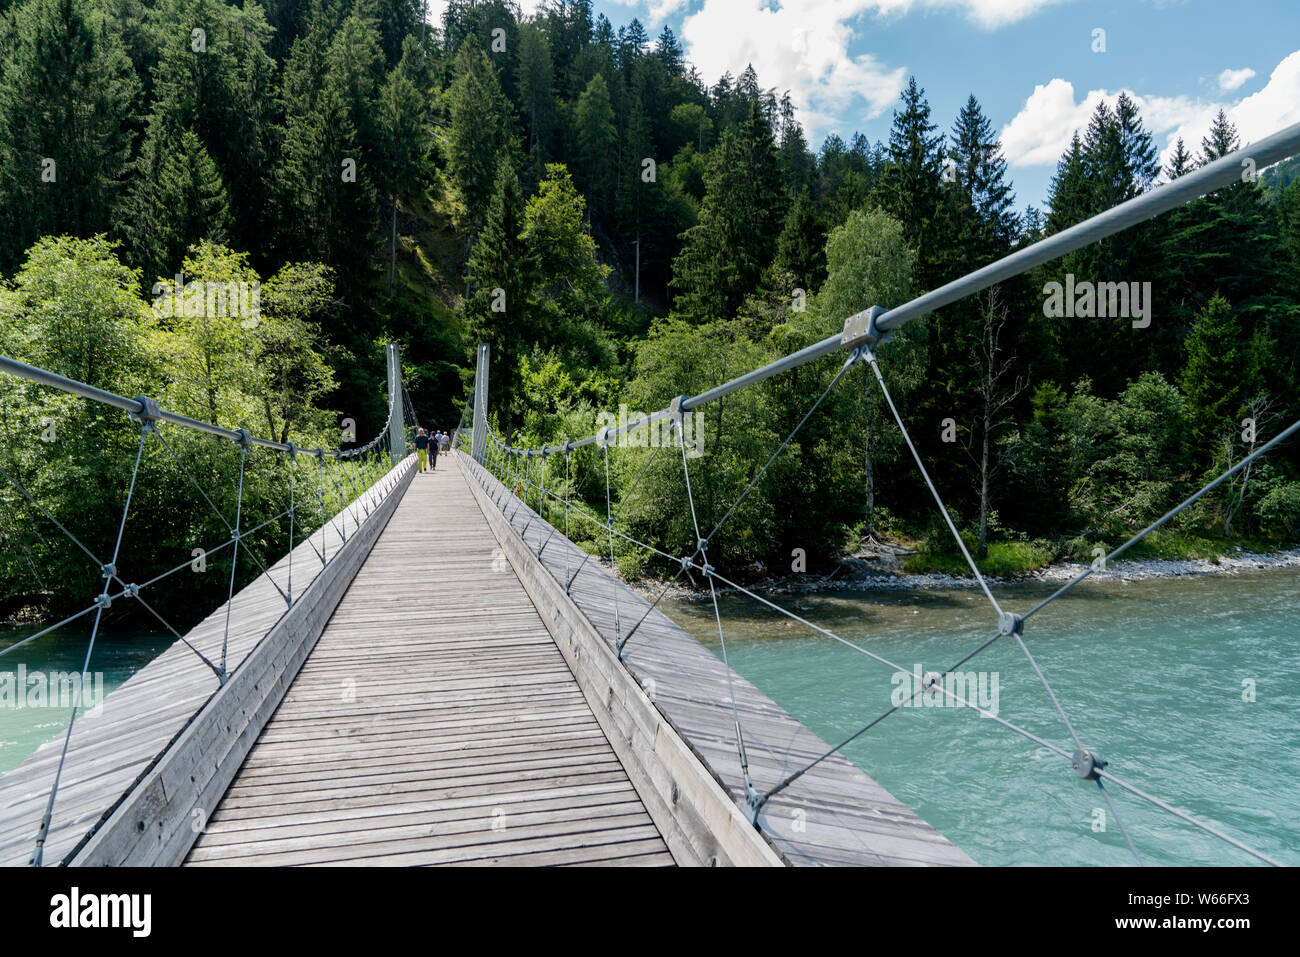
462 736
843 816
110 752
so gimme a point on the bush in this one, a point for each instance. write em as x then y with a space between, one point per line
1280 508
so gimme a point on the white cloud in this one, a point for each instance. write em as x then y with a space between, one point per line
1232 79
1266 111
1041 131
801 47
988 14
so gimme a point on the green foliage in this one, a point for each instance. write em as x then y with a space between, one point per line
67 97
520 166
1280 508
478 135
1004 558
75 309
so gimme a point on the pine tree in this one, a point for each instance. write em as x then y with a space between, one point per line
1180 161
597 140
393 21
669 52
801 248
724 256
498 307
1217 375
534 79
1067 199
980 173
909 187
477 134
1221 140
187 203
796 162
402 145
1139 151
67 96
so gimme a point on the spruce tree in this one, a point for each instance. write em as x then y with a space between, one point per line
478 133
597 140
499 303
67 99
909 187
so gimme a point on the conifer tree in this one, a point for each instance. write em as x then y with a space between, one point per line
477 135
500 283
67 98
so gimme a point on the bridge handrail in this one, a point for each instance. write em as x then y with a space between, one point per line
142 406
148 414
862 332
871 325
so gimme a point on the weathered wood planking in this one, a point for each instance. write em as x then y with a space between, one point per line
699 821
834 814
111 752
435 722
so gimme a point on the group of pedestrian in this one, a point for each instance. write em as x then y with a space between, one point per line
428 446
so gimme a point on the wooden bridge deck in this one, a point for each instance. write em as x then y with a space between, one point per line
435 722
834 814
110 751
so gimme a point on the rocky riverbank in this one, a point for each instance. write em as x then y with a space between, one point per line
869 573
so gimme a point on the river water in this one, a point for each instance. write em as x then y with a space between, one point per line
32 710
1155 675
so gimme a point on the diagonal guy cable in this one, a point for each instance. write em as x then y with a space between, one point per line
999 720
1276 440
870 358
101 602
848 364
750 794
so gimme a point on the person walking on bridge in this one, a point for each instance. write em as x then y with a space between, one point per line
433 452
422 447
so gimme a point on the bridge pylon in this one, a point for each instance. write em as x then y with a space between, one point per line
396 422
478 444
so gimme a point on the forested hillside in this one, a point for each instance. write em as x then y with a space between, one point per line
624 230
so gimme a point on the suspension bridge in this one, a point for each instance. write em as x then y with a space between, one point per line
435 673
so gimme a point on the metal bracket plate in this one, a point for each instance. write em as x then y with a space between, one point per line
860 329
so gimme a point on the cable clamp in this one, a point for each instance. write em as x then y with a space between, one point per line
1009 623
243 438
860 329
1088 764
149 412
753 804
102 600
109 570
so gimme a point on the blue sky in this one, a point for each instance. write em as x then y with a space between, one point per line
1029 62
